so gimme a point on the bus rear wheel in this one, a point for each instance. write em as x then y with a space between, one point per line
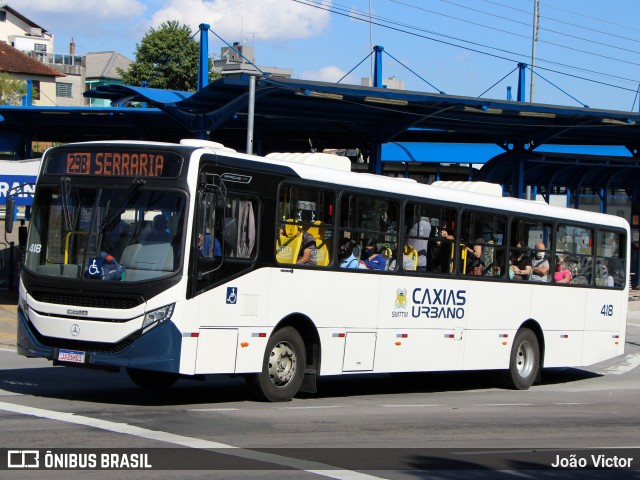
152 380
282 368
524 363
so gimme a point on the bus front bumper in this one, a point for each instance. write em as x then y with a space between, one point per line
158 349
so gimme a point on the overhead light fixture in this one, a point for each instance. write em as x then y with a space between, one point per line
537 114
615 121
386 101
309 93
483 109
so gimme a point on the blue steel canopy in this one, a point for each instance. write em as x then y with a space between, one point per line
295 115
334 115
574 171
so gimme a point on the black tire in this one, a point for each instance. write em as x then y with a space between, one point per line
283 367
152 380
524 363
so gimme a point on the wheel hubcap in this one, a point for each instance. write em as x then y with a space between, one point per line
524 359
282 364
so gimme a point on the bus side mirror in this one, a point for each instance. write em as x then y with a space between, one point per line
9 215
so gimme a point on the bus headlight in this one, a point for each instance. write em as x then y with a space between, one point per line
156 317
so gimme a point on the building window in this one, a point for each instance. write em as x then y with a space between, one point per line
63 90
40 51
35 89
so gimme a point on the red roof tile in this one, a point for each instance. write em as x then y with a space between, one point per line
14 61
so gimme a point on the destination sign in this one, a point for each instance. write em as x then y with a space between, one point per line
114 163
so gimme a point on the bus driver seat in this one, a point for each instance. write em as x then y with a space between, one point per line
144 261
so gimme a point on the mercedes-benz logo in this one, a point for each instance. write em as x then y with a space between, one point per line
75 329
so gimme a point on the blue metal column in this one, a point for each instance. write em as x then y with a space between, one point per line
377 66
603 200
517 176
203 67
27 99
522 67
375 155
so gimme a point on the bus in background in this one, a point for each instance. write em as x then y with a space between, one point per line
183 260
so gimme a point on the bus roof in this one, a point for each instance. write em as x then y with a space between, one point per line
379 183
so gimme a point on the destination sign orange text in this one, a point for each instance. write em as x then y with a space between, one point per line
134 164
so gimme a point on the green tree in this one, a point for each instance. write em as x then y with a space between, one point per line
166 58
11 89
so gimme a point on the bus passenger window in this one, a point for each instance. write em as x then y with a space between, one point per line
574 245
239 230
486 232
371 223
610 263
304 230
533 239
430 234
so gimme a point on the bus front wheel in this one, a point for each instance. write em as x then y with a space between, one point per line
524 363
150 379
282 368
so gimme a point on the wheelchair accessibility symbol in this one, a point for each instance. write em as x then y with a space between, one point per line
94 269
232 295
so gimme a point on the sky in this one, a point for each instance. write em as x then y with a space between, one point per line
587 51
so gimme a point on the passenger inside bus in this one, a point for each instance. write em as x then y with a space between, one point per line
345 253
520 263
540 264
308 250
160 232
439 253
474 255
562 273
372 259
204 246
419 240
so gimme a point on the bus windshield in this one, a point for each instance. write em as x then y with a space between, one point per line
106 234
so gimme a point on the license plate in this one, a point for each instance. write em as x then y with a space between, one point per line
73 356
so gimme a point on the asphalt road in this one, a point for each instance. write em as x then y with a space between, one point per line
436 426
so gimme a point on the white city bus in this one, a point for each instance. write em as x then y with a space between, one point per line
175 261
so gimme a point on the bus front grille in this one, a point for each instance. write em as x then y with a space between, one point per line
84 300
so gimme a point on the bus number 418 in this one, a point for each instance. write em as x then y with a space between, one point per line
607 310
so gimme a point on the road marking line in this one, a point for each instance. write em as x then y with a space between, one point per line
504 405
311 407
222 448
5 393
418 405
633 324
630 362
213 409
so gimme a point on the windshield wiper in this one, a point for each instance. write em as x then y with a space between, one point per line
114 212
